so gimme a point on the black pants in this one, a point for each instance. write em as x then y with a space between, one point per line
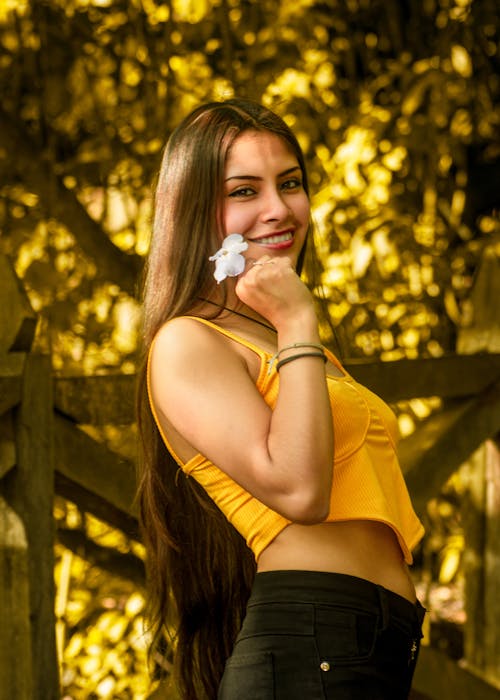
318 636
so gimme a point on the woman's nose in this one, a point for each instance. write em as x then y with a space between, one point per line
275 206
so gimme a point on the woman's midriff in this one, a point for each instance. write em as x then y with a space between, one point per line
361 548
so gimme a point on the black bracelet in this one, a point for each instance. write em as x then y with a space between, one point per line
286 360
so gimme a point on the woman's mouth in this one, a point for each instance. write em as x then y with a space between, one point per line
276 240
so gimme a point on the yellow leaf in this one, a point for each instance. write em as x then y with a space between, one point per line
95 638
451 306
106 687
406 424
74 646
362 254
409 338
117 630
116 663
107 619
416 94
134 604
449 565
192 11
90 665
461 61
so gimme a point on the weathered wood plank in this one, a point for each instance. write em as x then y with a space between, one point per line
12 364
481 517
444 441
90 502
11 370
110 398
480 504
429 456
10 393
31 493
483 333
441 678
93 466
473 512
492 560
97 400
7 445
15 629
451 376
127 566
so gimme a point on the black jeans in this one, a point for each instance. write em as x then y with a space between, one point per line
318 636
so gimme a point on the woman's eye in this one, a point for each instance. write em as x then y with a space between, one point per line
292 184
242 192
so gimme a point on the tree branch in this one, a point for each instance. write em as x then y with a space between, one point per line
112 264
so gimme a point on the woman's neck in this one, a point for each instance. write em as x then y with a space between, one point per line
239 311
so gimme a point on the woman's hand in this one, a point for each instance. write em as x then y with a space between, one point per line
271 287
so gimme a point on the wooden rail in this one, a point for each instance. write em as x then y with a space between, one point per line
45 449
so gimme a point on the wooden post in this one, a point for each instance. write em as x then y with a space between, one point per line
481 515
15 631
481 505
473 474
27 491
31 491
492 564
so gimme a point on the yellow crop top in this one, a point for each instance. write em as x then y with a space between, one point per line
367 479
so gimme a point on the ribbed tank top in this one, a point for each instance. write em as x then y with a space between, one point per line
367 480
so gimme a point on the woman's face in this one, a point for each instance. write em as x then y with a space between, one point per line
264 198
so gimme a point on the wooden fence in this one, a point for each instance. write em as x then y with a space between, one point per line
43 451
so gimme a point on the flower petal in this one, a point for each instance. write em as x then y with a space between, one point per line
228 261
235 243
220 272
234 264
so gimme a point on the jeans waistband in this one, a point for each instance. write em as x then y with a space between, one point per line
336 589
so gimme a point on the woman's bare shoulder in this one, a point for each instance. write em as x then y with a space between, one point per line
183 341
185 330
196 375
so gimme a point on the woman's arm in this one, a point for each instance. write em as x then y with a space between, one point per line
202 389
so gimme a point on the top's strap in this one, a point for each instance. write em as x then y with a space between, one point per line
238 339
263 354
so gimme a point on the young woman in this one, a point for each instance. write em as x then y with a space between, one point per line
267 470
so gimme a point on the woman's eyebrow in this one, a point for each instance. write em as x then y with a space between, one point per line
256 177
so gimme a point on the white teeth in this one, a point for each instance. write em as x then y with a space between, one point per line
280 238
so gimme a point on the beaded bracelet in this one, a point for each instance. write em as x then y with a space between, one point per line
286 360
291 347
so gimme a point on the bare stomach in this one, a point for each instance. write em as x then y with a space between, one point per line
362 548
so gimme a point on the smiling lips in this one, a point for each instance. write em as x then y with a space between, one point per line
276 240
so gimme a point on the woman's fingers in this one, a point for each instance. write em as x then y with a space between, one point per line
272 287
265 261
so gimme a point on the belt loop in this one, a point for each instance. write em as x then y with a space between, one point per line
384 608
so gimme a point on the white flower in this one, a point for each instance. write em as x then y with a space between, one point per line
228 260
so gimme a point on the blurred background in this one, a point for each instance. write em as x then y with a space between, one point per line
395 104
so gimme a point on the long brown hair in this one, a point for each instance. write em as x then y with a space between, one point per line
199 568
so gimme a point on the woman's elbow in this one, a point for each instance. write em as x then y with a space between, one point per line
308 509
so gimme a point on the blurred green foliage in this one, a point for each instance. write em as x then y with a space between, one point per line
395 103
